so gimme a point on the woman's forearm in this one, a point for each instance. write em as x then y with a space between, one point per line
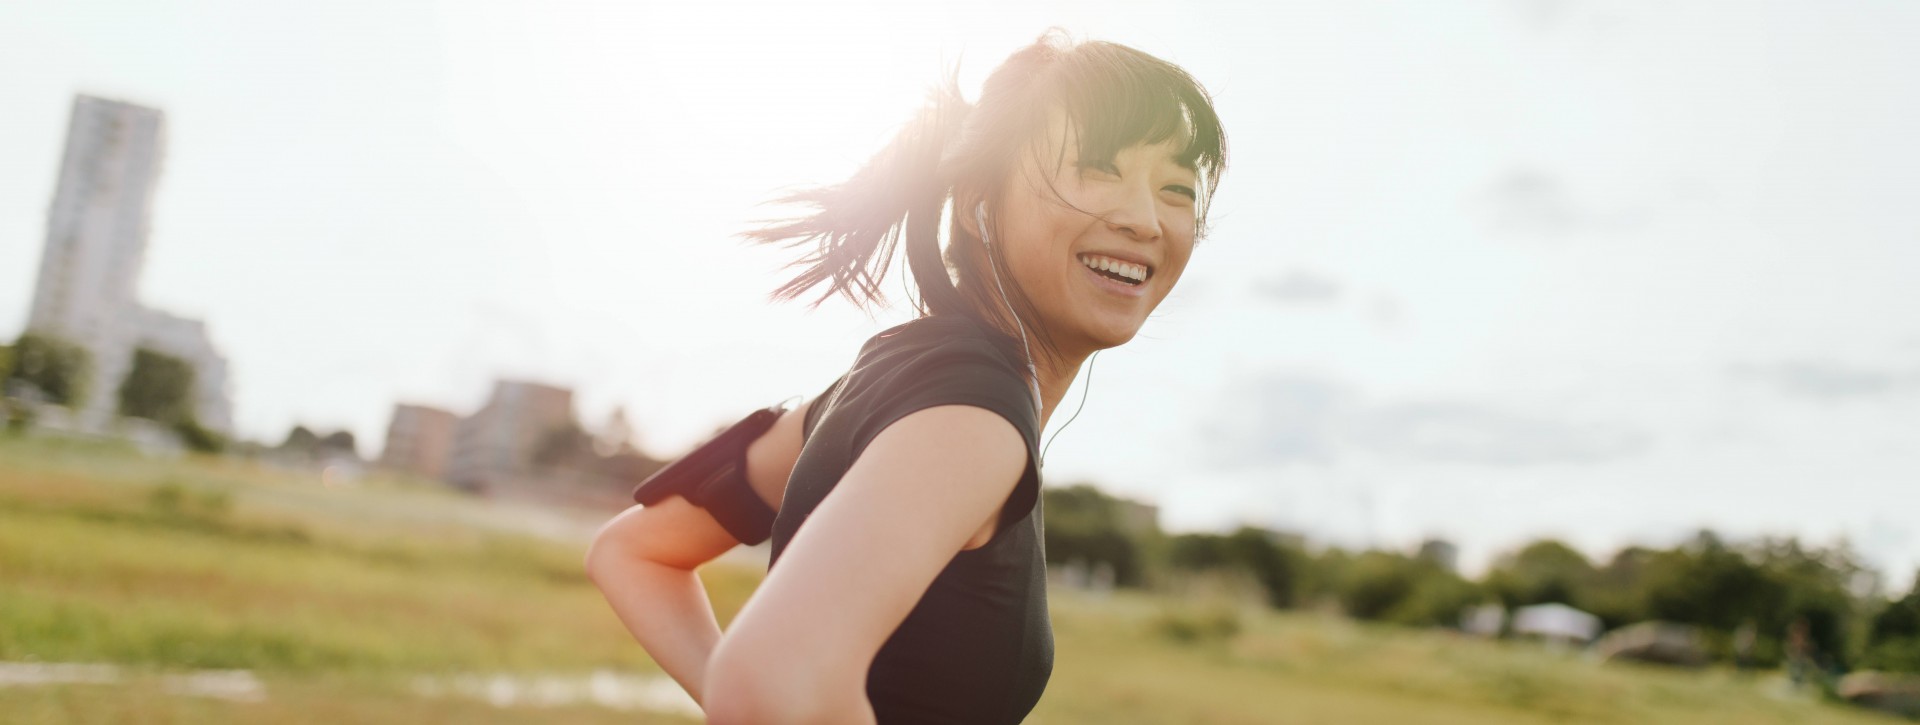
667 611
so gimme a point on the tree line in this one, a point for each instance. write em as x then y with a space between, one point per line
1766 587
45 369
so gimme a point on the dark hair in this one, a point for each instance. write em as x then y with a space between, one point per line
1111 96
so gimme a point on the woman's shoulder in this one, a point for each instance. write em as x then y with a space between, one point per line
941 359
940 338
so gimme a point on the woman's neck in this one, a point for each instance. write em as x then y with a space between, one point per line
1055 378
1055 374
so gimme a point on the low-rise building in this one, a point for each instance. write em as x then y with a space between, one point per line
419 440
499 441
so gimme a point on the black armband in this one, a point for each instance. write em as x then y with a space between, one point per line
714 477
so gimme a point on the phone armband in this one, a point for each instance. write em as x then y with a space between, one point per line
714 477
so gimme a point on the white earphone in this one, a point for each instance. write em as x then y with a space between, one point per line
980 219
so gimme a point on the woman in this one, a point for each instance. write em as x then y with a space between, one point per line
916 591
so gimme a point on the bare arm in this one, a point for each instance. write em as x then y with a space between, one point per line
800 650
645 560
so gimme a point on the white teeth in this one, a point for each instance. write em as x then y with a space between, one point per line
1135 272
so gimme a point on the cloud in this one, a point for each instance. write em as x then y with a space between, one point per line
1298 286
1532 201
1280 418
1470 433
1289 418
1541 14
1827 379
1386 310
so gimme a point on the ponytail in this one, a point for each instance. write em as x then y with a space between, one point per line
900 192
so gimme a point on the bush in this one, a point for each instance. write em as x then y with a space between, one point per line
1276 566
158 388
1375 584
1439 598
20 416
1893 637
173 499
1896 655
56 368
1213 623
197 437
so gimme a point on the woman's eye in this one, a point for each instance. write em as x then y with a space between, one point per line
1186 191
1105 167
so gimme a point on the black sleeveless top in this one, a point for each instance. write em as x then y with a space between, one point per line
978 646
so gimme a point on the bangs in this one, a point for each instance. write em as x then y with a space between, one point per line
1115 97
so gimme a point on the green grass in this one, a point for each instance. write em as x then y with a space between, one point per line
338 597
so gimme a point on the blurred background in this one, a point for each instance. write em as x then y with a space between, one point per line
1549 360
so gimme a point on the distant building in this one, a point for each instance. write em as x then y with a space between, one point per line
499 441
96 244
1138 518
420 440
1441 552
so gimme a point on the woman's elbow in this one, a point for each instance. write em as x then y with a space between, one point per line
729 700
604 554
757 694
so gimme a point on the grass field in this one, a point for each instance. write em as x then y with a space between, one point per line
340 601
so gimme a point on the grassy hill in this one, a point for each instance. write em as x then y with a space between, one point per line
397 601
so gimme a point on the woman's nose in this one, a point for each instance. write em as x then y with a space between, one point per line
1136 214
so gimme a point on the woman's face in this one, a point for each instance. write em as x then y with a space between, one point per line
1138 221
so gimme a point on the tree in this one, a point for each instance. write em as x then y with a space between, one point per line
199 438
342 441
1893 638
1084 523
1772 584
1900 620
302 439
158 388
616 437
1375 583
1710 584
58 369
1440 597
1541 572
1617 595
1276 567
564 446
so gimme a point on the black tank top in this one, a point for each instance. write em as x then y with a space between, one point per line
978 646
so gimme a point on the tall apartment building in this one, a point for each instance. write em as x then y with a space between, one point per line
97 229
500 440
420 440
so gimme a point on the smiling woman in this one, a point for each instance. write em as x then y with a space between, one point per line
907 581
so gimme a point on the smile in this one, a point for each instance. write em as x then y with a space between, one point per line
1123 278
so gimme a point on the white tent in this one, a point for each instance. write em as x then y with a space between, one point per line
1556 622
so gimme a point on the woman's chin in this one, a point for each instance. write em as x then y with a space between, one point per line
1115 334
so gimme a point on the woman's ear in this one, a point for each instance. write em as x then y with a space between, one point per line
969 209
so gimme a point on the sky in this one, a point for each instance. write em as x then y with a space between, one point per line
1485 271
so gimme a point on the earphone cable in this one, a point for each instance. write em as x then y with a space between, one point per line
1084 389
